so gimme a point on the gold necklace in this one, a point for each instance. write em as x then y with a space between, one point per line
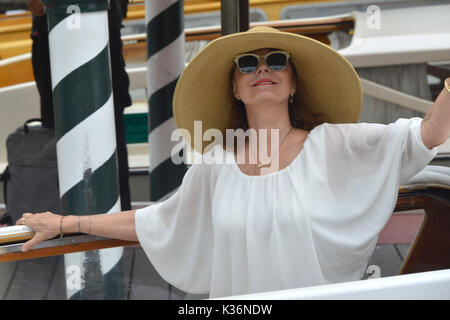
269 162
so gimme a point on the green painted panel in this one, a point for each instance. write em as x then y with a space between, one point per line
136 127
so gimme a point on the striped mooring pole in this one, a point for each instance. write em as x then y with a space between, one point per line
165 62
85 133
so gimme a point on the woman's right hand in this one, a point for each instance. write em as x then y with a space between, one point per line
46 225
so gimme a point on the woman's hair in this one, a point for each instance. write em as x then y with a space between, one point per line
300 117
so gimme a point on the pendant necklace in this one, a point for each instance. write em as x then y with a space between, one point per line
269 162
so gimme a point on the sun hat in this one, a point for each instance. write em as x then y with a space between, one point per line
328 82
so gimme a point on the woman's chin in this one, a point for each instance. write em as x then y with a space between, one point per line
266 98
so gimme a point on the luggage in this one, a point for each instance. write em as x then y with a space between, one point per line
31 178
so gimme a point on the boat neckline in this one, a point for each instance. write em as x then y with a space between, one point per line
278 172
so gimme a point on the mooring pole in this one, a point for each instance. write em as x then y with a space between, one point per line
165 62
85 132
234 16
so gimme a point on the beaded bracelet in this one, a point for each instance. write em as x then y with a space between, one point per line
60 227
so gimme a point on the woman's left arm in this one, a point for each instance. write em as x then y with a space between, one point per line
436 124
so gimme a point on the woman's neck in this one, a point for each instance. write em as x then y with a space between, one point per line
269 117
269 125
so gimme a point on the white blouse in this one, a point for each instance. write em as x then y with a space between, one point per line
314 222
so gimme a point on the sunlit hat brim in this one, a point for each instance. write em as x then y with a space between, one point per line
328 82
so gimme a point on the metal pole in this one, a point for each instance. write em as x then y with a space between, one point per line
85 132
244 16
234 16
165 62
229 16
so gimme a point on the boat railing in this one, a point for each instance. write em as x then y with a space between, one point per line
15 59
384 93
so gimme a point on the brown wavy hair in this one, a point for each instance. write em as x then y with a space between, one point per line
300 117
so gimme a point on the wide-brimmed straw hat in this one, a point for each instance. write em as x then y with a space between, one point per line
329 84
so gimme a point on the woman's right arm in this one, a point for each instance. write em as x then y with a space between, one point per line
48 225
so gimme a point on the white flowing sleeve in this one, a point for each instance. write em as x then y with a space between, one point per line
374 149
358 169
176 234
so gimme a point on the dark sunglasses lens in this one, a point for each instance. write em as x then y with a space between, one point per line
277 61
247 64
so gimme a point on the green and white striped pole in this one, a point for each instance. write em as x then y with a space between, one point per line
165 62
85 132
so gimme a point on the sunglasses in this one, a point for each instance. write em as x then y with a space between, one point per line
248 62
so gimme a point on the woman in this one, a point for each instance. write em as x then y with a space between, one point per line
306 213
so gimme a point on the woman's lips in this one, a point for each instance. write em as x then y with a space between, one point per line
264 82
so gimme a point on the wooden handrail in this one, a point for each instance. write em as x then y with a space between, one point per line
54 247
420 196
295 26
309 27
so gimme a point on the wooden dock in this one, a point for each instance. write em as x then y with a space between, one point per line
44 279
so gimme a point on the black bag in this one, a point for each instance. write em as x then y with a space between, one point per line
31 178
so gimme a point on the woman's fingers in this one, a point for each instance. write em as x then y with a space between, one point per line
22 220
32 242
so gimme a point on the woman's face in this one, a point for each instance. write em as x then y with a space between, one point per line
263 85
